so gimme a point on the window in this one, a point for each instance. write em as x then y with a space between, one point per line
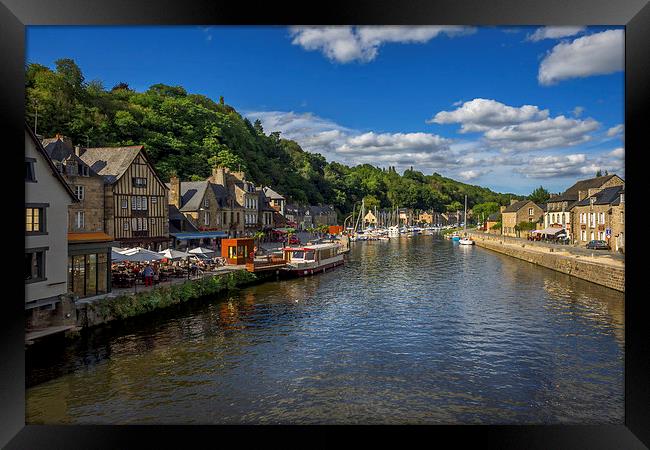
530 211
154 200
35 265
622 198
125 203
206 218
139 182
125 226
82 169
601 218
79 219
583 235
79 192
206 202
30 173
622 216
143 203
35 220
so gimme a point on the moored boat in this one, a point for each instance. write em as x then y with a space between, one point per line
312 259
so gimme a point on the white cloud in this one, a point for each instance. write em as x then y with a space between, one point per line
618 152
469 175
572 166
578 110
618 129
389 143
595 54
554 33
548 133
483 114
345 44
522 128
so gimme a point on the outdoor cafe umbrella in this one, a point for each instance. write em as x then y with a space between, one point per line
201 251
139 254
170 253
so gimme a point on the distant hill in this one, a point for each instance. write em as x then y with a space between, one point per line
187 134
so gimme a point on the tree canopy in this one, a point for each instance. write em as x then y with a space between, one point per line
188 134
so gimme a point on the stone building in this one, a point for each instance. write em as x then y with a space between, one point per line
277 201
242 200
135 198
89 246
492 220
558 207
517 212
266 210
601 216
370 219
47 198
323 215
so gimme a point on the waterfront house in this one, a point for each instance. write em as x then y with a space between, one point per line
136 199
370 219
299 216
558 207
47 198
323 215
277 201
519 211
491 221
266 211
242 200
601 216
200 205
89 246
426 218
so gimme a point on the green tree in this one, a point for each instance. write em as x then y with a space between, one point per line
539 195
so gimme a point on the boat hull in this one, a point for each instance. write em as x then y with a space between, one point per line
305 272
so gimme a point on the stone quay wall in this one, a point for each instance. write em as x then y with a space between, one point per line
600 273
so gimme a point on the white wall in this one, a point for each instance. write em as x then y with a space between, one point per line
48 189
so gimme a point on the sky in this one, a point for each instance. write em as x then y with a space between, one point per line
508 108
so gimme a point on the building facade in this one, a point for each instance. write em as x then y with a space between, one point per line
136 199
559 207
89 246
517 212
601 216
47 198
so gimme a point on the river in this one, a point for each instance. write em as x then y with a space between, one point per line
414 330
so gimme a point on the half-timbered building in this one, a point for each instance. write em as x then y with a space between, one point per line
136 199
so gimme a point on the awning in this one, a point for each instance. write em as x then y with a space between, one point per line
199 235
89 237
549 231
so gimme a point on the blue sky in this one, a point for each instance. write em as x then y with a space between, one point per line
510 108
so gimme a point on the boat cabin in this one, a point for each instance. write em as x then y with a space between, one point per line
237 251
310 253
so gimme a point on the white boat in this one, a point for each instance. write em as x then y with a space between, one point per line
393 231
465 240
311 259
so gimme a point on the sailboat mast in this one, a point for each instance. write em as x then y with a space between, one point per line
465 219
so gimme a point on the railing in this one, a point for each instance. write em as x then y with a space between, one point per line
270 261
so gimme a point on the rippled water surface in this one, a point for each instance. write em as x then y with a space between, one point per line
415 330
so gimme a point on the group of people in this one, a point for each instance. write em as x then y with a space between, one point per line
150 272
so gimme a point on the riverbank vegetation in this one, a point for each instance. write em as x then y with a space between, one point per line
187 134
130 305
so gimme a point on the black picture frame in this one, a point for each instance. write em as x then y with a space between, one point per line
633 14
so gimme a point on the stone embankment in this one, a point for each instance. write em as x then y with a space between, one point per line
598 269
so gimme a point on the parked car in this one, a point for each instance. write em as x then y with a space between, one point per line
597 245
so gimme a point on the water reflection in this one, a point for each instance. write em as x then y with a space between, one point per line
409 331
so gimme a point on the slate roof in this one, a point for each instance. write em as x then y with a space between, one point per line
192 192
516 206
221 193
605 197
263 201
55 172
494 217
321 209
270 193
61 151
110 162
176 215
571 194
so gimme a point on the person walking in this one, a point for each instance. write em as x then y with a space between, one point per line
148 275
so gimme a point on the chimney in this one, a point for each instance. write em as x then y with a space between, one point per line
218 175
239 175
552 195
501 208
513 201
79 150
175 191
